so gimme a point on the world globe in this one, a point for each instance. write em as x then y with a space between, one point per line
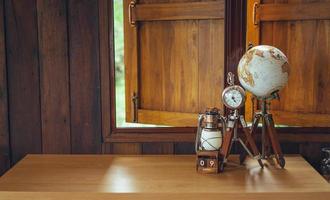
263 70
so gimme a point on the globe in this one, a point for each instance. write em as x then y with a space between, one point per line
263 70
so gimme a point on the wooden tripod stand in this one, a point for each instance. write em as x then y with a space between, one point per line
268 135
231 136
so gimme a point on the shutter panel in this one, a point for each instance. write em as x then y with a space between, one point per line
301 29
174 60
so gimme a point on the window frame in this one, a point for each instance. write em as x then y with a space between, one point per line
235 38
234 25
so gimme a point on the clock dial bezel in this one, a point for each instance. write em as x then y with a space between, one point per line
237 88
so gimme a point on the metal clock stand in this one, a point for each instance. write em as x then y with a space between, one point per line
231 136
233 98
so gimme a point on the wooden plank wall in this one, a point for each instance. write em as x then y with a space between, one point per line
54 83
4 133
84 70
23 77
54 76
50 58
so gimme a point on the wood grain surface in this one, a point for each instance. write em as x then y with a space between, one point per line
174 66
305 41
4 133
54 62
106 43
294 11
131 60
85 71
23 77
155 174
185 196
54 66
179 11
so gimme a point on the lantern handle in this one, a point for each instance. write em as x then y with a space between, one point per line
199 132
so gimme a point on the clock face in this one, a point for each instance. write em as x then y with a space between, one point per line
233 97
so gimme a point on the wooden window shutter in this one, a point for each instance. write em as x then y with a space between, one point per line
301 29
174 59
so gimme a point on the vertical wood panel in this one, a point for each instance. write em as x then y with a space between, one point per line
252 38
280 40
130 49
112 65
154 38
184 148
124 148
54 76
211 63
84 76
104 64
23 77
158 148
4 133
169 80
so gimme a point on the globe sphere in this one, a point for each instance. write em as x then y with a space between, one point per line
263 70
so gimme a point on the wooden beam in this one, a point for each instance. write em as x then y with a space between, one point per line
235 36
300 119
284 136
151 137
287 12
131 66
179 11
252 39
104 27
167 118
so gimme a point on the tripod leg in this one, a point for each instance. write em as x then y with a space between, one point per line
274 140
251 141
226 146
253 146
265 139
253 130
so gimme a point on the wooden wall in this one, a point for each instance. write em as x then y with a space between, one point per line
50 58
54 83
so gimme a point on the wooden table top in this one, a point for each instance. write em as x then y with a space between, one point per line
145 175
162 196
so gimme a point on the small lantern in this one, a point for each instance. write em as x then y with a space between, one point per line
209 141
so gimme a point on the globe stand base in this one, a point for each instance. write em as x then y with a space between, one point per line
268 136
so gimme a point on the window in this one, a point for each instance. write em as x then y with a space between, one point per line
174 60
118 9
301 31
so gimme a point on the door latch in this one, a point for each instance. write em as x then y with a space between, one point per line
135 100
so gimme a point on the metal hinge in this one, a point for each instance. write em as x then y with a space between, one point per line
255 19
135 100
131 5
250 46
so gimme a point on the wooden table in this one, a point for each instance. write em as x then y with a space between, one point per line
126 177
